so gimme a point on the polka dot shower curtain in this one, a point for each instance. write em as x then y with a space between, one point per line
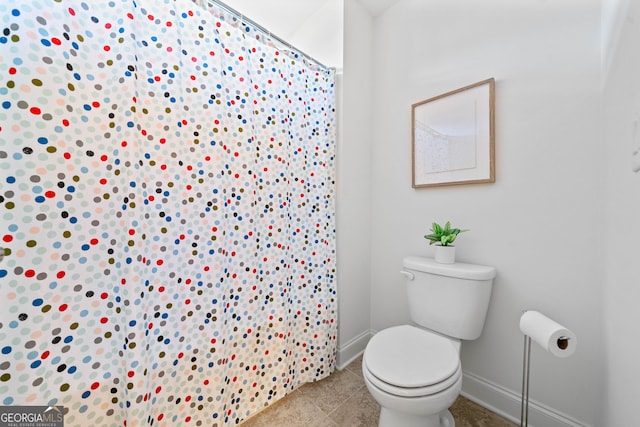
167 213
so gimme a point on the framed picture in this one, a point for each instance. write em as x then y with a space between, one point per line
453 137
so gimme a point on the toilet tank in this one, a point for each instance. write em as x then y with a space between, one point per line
451 299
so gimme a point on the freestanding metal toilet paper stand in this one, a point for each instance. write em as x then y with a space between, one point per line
563 342
524 406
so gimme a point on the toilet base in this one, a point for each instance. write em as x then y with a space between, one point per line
389 418
426 411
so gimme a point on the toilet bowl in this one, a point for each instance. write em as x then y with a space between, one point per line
414 371
414 374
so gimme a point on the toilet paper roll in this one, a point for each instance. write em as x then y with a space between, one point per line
553 337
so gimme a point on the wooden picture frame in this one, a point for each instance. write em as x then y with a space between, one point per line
453 137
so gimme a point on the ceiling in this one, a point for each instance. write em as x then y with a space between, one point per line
283 17
376 7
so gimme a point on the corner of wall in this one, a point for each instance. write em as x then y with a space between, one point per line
349 351
613 13
354 185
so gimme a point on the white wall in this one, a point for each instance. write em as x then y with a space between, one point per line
354 184
539 224
622 227
314 27
321 34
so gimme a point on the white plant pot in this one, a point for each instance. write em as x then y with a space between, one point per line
445 254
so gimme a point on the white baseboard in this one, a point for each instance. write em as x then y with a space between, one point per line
352 349
492 396
507 404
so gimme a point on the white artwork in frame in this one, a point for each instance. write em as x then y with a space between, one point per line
453 137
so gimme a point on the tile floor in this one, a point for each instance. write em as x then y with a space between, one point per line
342 400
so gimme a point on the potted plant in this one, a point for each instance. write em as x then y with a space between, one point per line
443 237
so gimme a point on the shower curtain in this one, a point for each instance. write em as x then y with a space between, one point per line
167 252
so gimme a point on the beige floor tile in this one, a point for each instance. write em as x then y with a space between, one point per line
355 366
342 400
332 391
470 414
360 410
294 410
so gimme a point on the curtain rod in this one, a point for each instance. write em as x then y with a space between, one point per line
244 19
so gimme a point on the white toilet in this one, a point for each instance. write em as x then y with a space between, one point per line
414 372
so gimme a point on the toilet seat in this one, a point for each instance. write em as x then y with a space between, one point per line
408 361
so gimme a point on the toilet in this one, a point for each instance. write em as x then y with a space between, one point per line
414 371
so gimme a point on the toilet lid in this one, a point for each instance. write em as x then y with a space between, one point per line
406 356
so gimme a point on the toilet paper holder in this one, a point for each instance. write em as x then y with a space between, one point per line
524 404
562 343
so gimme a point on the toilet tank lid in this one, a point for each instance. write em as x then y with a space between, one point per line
458 269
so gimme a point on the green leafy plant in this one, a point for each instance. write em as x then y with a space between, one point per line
443 235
